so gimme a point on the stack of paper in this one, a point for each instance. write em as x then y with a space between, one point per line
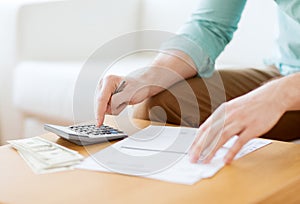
160 152
44 156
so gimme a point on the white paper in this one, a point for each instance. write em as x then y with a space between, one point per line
160 152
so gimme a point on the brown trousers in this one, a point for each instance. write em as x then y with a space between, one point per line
190 102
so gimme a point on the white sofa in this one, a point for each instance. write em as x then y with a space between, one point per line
46 44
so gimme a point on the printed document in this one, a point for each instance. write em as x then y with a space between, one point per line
161 152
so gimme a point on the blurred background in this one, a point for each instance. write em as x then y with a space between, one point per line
44 43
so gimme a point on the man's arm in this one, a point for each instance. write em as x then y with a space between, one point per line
208 31
193 50
291 91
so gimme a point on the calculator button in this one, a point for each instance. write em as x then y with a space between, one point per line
92 130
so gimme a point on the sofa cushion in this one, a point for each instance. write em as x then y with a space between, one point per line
45 89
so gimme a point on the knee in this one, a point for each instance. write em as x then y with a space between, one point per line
154 108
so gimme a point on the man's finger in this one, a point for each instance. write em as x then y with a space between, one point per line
108 109
237 146
99 85
199 133
119 101
228 132
206 139
199 146
102 101
212 135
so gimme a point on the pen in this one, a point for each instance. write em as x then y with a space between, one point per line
120 87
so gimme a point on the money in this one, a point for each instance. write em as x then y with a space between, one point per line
44 156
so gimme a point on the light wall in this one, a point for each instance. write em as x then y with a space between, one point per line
252 41
73 29
7 62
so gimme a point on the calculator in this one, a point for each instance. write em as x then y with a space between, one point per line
86 134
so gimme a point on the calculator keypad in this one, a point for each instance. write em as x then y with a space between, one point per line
93 130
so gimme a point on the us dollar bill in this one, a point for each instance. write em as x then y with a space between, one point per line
44 156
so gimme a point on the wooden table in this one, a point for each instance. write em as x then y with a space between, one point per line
270 174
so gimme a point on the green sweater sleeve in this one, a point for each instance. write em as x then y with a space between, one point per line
208 31
291 8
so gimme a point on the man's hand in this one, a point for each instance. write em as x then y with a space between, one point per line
166 70
248 116
135 91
